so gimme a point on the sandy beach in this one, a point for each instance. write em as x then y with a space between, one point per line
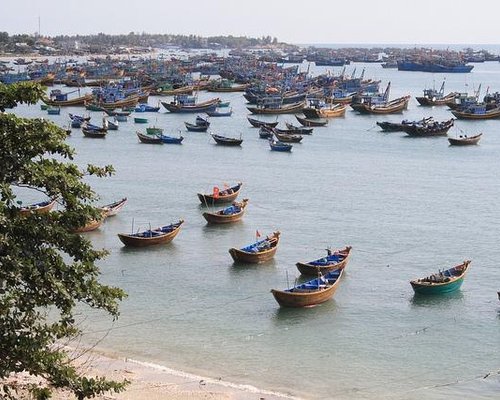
154 382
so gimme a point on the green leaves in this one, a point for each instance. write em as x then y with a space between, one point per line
44 265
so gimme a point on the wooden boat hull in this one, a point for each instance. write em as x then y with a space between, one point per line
173 92
240 255
285 109
337 110
92 133
237 88
38 208
288 138
258 124
79 101
223 197
225 141
149 139
195 128
495 113
114 208
438 289
217 218
441 129
306 298
314 270
91 226
465 141
429 102
312 122
209 105
394 106
136 241
425 286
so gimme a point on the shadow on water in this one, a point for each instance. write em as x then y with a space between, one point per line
238 267
152 249
284 316
210 228
438 300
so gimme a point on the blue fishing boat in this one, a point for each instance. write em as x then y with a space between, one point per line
311 293
227 215
442 282
336 259
53 110
146 108
171 139
257 252
276 145
442 66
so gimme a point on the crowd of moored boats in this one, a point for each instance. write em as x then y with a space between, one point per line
270 90
324 273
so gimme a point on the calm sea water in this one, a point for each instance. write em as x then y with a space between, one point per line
407 206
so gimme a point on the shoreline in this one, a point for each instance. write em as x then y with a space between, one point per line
153 381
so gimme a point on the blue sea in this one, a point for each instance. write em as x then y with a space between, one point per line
408 207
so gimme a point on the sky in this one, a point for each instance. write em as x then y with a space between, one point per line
291 21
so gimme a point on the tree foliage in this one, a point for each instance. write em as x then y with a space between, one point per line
44 266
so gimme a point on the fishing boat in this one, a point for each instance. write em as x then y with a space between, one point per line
266 133
287 137
312 122
226 141
225 86
140 120
387 126
336 259
162 235
112 125
220 196
114 208
195 128
90 226
319 109
257 123
258 252
276 145
218 113
300 130
477 111
149 139
185 104
113 113
94 133
143 107
38 208
435 66
171 139
389 107
433 97
311 293
429 128
53 110
276 108
59 99
227 215
465 140
442 282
